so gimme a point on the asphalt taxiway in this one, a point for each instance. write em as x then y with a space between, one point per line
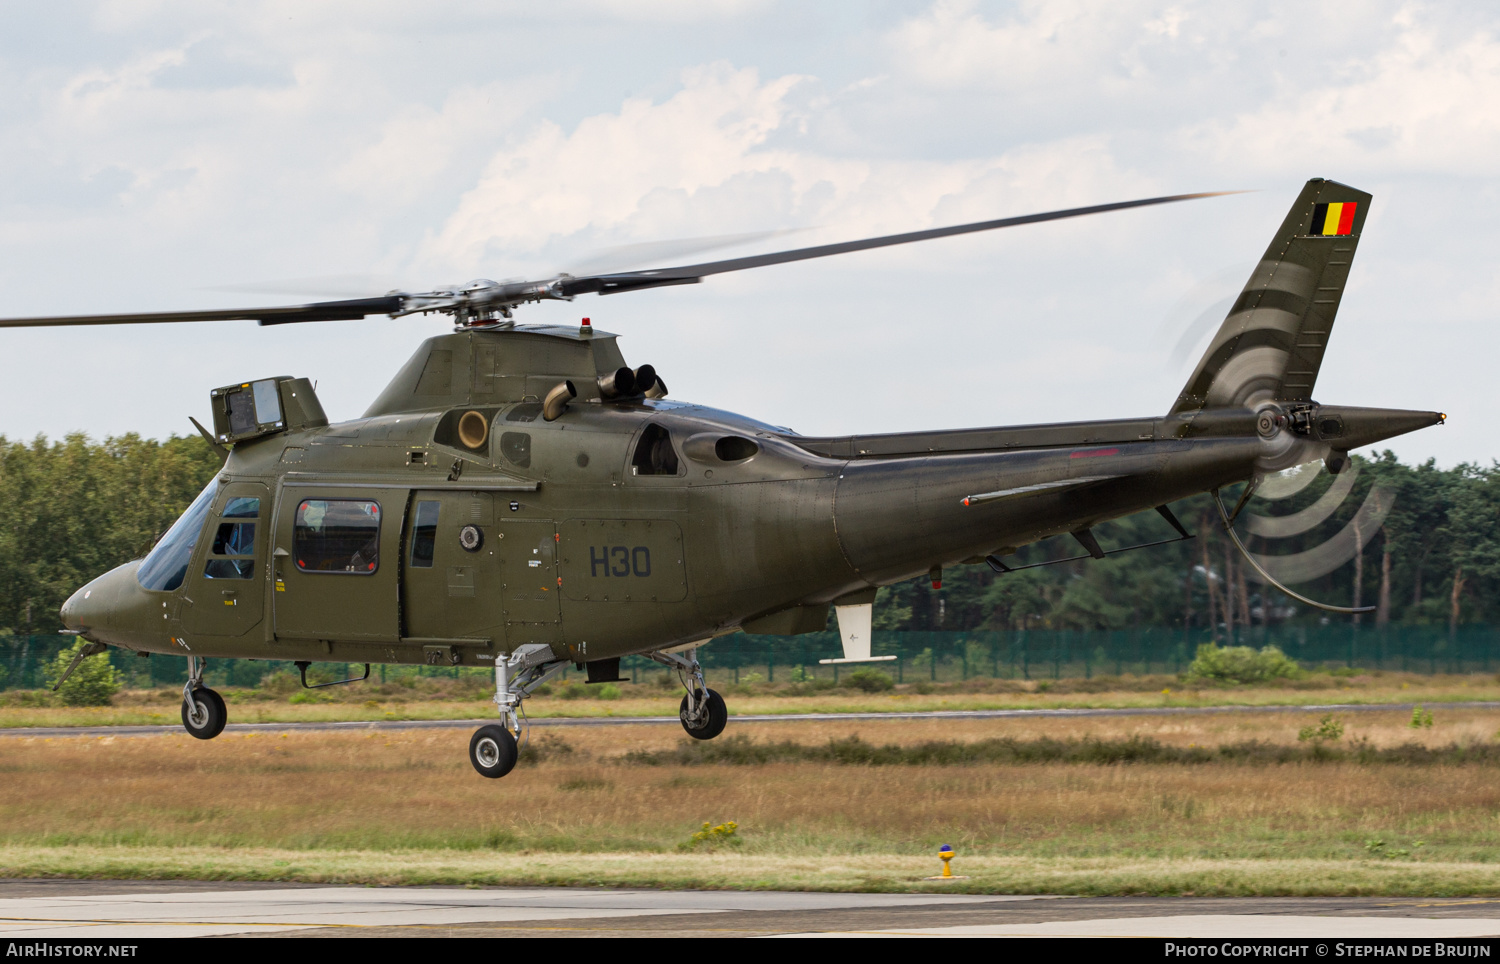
77 910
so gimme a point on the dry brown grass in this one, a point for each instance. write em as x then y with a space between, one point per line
413 791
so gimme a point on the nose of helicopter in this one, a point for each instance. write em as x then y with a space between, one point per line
96 607
80 612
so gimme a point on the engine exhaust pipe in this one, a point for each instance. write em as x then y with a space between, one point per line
619 384
557 400
649 383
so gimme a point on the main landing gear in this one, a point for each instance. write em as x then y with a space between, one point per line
702 711
493 750
495 747
203 710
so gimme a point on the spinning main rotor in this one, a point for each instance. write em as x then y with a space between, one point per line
485 303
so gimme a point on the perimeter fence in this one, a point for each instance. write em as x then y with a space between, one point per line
932 656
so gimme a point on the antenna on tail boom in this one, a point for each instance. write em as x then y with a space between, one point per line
1250 558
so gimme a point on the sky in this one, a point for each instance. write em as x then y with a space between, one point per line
168 155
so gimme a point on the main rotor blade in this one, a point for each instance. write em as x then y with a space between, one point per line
319 311
484 300
620 257
633 280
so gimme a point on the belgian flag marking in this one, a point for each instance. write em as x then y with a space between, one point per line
1333 219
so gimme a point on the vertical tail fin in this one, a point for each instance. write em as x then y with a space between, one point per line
1271 345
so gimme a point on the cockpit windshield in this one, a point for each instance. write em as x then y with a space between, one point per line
166 565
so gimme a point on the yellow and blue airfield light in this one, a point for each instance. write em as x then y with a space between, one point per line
945 853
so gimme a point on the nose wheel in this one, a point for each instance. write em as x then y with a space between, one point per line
203 710
204 714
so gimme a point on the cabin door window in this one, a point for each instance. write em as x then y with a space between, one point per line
331 580
228 574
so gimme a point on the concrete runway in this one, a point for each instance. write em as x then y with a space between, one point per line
77 910
746 718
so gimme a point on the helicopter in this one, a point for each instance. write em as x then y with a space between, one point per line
520 497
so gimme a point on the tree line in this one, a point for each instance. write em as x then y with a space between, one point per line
75 508
1434 561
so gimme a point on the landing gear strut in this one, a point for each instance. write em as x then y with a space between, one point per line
702 712
203 710
495 747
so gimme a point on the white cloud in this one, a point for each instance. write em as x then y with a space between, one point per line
699 163
419 144
155 149
1418 105
604 173
674 11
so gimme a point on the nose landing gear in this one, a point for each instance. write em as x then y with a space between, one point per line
203 710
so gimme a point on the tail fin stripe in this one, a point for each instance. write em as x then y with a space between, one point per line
1271 344
1254 338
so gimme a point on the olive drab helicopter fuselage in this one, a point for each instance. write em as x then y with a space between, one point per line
522 498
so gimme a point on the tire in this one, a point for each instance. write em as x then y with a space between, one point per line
718 716
492 750
211 707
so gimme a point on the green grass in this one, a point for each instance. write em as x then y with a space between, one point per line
727 870
468 698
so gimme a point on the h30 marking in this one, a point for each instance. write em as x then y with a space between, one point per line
620 561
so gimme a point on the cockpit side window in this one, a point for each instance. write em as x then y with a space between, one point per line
232 555
166 565
654 454
242 508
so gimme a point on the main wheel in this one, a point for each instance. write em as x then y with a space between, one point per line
713 721
493 751
206 715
